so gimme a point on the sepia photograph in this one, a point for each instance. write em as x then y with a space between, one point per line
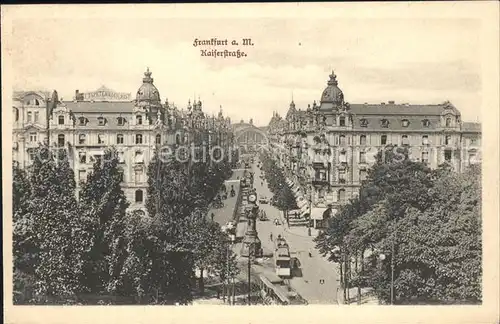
228 155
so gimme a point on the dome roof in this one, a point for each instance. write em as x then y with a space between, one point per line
148 92
332 93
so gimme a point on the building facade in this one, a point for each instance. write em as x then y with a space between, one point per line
327 148
91 122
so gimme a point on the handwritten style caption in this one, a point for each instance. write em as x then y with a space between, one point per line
213 47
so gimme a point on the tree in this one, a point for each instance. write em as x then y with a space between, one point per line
103 201
285 201
57 231
21 192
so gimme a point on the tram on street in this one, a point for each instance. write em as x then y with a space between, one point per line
282 259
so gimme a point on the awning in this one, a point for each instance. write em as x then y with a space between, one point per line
317 213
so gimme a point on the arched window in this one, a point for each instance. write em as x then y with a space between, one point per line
341 195
119 139
61 120
177 139
60 140
158 139
384 123
342 140
138 196
82 121
448 122
426 123
121 121
362 140
138 139
404 140
139 120
82 138
405 123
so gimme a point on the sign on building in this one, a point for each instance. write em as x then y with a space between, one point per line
105 94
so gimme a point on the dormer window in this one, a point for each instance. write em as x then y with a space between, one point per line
363 122
121 121
61 120
101 121
342 121
448 122
82 121
426 123
139 120
384 123
405 122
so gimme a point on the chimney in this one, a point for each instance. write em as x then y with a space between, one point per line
391 102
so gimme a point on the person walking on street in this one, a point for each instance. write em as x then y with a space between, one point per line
310 253
271 237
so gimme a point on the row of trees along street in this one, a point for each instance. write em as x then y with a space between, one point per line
283 197
412 228
91 250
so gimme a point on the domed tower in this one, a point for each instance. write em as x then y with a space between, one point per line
148 96
332 96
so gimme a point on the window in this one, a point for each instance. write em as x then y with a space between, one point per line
447 140
383 139
139 157
36 116
82 174
29 116
404 140
82 157
385 123
60 140
448 122
37 103
362 140
343 157
100 139
60 120
363 122
101 121
342 174
139 120
82 138
158 139
405 123
342 121
425 140
341 195
121 157
16 114
177 139
138 139
362 157
447 155
425 157
82 121
472 141
31 156
321 175
121 121
426 123
139 175
342 139
362 175
472 158
33 137
138 196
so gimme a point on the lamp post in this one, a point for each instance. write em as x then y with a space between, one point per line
382 257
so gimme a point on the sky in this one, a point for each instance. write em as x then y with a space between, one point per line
406 59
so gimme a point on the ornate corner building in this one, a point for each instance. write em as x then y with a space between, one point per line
327 148
85 126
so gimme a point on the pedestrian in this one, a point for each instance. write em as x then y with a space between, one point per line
271 236
310 253
212 216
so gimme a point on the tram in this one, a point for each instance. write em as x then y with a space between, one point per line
282 260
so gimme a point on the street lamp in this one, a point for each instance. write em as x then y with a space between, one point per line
382 257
